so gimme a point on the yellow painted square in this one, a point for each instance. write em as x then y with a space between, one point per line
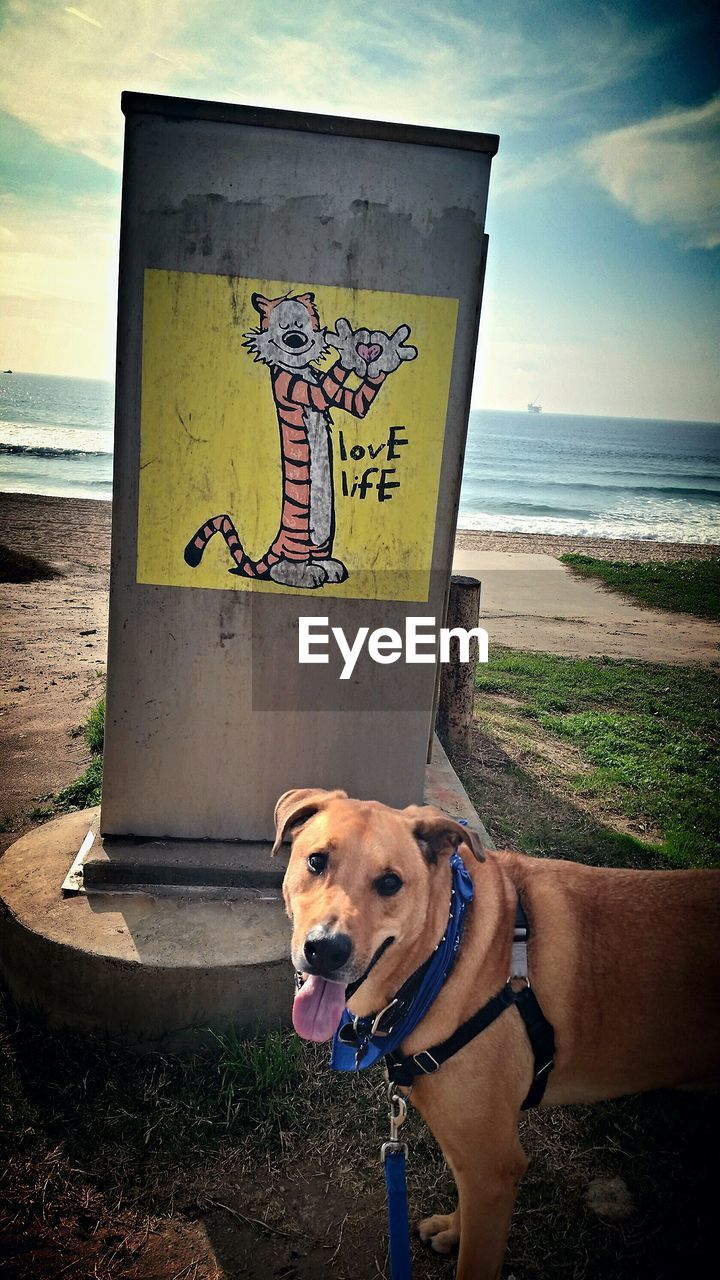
210 440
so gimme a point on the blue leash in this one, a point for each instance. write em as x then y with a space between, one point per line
398 1222
393 1154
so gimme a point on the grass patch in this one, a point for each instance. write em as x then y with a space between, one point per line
646 748
40 812
85 791
17 567
646 766
684 586
258 1077
94 728
544 682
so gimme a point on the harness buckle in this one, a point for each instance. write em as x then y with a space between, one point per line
393 1149
376 1029
426 1070
346 1034
522 978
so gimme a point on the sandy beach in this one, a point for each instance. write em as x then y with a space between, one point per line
53 632
604 548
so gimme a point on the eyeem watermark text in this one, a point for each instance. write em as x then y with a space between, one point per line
385 644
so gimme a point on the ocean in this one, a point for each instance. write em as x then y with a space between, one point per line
524 473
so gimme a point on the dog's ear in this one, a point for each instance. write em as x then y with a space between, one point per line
437 834
295 807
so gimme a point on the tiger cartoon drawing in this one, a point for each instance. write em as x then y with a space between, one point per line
290 340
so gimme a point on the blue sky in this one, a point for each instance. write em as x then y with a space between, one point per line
604 214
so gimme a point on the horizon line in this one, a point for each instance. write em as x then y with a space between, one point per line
474 408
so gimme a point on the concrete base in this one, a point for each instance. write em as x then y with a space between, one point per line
148 968
155 966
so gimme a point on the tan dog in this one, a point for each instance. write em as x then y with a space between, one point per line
625 965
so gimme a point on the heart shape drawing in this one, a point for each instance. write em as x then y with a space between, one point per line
368 352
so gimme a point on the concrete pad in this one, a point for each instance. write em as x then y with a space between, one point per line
532 601
145 968
157 965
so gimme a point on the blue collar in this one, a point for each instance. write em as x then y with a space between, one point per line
360 1042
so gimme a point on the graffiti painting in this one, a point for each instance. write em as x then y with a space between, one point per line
302 424
290 340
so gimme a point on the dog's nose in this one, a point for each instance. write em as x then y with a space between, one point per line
326 952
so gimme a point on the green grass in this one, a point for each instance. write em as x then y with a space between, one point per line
83 792
94 728
258 1077
684 586
545 682
647 736
40 812
86 790
138 1110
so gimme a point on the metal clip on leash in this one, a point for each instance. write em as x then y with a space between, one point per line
393 1154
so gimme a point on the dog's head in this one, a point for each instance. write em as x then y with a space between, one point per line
359 889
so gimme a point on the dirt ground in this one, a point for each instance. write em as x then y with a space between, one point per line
53 647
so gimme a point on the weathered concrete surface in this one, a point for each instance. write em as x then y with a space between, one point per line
116 861
529 599
139 966
154 968
444 789
250 201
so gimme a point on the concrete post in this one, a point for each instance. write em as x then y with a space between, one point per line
457 679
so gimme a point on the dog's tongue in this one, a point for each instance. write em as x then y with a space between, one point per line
318 1008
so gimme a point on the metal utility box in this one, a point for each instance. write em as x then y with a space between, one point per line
298 315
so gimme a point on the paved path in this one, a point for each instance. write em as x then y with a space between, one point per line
532 601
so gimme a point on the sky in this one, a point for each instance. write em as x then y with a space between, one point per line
602 289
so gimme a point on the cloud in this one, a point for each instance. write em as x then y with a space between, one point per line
516 176
426 64
77 13
412 62
64 69
666 172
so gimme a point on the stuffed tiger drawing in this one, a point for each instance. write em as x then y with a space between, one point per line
290 340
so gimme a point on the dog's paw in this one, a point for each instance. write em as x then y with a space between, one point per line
441 1232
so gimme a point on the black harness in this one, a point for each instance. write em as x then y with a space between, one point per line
403 1068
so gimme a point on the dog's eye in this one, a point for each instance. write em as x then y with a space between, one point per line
317 863
388 884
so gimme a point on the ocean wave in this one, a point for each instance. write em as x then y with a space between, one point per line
48 451
615 491
690 527
48 487
37 441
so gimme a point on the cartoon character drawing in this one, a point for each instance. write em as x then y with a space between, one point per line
290 340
